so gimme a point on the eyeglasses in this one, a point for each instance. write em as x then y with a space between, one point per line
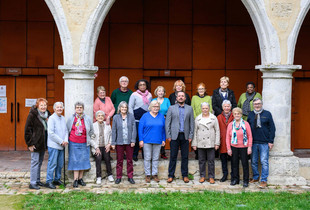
255 104
201 89
124 81
79 107
157 107
142 84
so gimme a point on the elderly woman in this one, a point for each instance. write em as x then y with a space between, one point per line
246 99
239 143
222 93
179 86
152 137
81 130
199 98
104 104
36 139
102 138
56 142
138 104
123 138
224 119
160 92
206 140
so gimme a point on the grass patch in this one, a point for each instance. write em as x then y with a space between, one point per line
204 200
12 201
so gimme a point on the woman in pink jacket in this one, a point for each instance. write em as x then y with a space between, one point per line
104 104
239 143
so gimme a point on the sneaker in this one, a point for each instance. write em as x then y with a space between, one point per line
263 185
110 178
98 180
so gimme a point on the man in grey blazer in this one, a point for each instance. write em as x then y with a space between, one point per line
179 132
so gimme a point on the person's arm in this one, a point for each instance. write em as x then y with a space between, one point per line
240 102
113 96
191 124
163 132
217 132
233 99
141 127
272 129
193 105
215 105
29 130
168 123
134 130
228 138
112 109
131 103
114 132
188 99
194 142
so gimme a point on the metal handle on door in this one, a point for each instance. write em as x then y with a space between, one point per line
11 112
17 112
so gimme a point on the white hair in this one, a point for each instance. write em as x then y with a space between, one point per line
123 77
58 103
205 103
153 103
99 112
226 102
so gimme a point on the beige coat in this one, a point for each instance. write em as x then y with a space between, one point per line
107 135
207 132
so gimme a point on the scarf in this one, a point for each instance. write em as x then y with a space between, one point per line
144 96
257 122
226 116
43 118
224 97
78 124
246 107
234 139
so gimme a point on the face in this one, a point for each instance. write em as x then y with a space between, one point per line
201 90
257 105
155 109
101 94
250 89
42 106
181 97
237 115
223 84
59 109
205 109
123 109
142 86
226 108
79 109
124 83
178 88
100 117
160 93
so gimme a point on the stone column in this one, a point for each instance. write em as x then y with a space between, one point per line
277 97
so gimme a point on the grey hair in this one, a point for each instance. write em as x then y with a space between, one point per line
123 77
58 103
79 103
256 99
204 103
99 112
226 102
153 103
121 104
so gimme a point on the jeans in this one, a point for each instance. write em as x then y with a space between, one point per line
35 168
55 164
261 150
151 156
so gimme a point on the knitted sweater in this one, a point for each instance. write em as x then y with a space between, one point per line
107 107
118 96
136 105
196 104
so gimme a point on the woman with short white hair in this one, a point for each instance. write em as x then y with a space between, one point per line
151 137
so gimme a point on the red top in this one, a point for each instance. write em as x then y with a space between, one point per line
78 139
223 130
239 136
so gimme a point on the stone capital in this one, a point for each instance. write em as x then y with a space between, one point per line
78 72
278 71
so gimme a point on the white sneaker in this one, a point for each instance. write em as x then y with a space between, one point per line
110 178
98 180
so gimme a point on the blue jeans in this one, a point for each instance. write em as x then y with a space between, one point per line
262 151
55 163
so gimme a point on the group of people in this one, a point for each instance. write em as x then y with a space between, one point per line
209 124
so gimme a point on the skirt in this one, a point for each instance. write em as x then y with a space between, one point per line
78 156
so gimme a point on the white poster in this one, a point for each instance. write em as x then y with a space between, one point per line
2 90
3 104
29 102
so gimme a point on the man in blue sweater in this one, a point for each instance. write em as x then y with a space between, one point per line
263 132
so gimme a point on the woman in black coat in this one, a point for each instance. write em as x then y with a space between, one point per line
222 93
36 139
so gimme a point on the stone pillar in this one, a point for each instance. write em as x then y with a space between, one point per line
277 96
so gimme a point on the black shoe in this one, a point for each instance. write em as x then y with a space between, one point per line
81 182
245 184
117 181
224 178
135 159
234 182
40 184
131 180
75 183
34 186
58 182
50 185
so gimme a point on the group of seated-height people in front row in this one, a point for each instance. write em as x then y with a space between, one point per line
236 130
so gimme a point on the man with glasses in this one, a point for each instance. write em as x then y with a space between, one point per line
122 93
263 132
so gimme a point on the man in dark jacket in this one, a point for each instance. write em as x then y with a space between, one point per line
263 132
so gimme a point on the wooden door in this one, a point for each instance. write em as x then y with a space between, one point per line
301 115
7 120
26 88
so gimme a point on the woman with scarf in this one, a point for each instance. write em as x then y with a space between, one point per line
138 104
246 99
81 132
104 104
36 139
239 143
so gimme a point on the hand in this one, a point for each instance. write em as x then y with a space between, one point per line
108 120
270 145
229 152
194 147
163 143
141 144
169 139
113 147
97 152
64 144
107 148
132 144
32 148
249 150
217 147
189 140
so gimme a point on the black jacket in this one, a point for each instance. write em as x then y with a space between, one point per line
217 101
173 98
